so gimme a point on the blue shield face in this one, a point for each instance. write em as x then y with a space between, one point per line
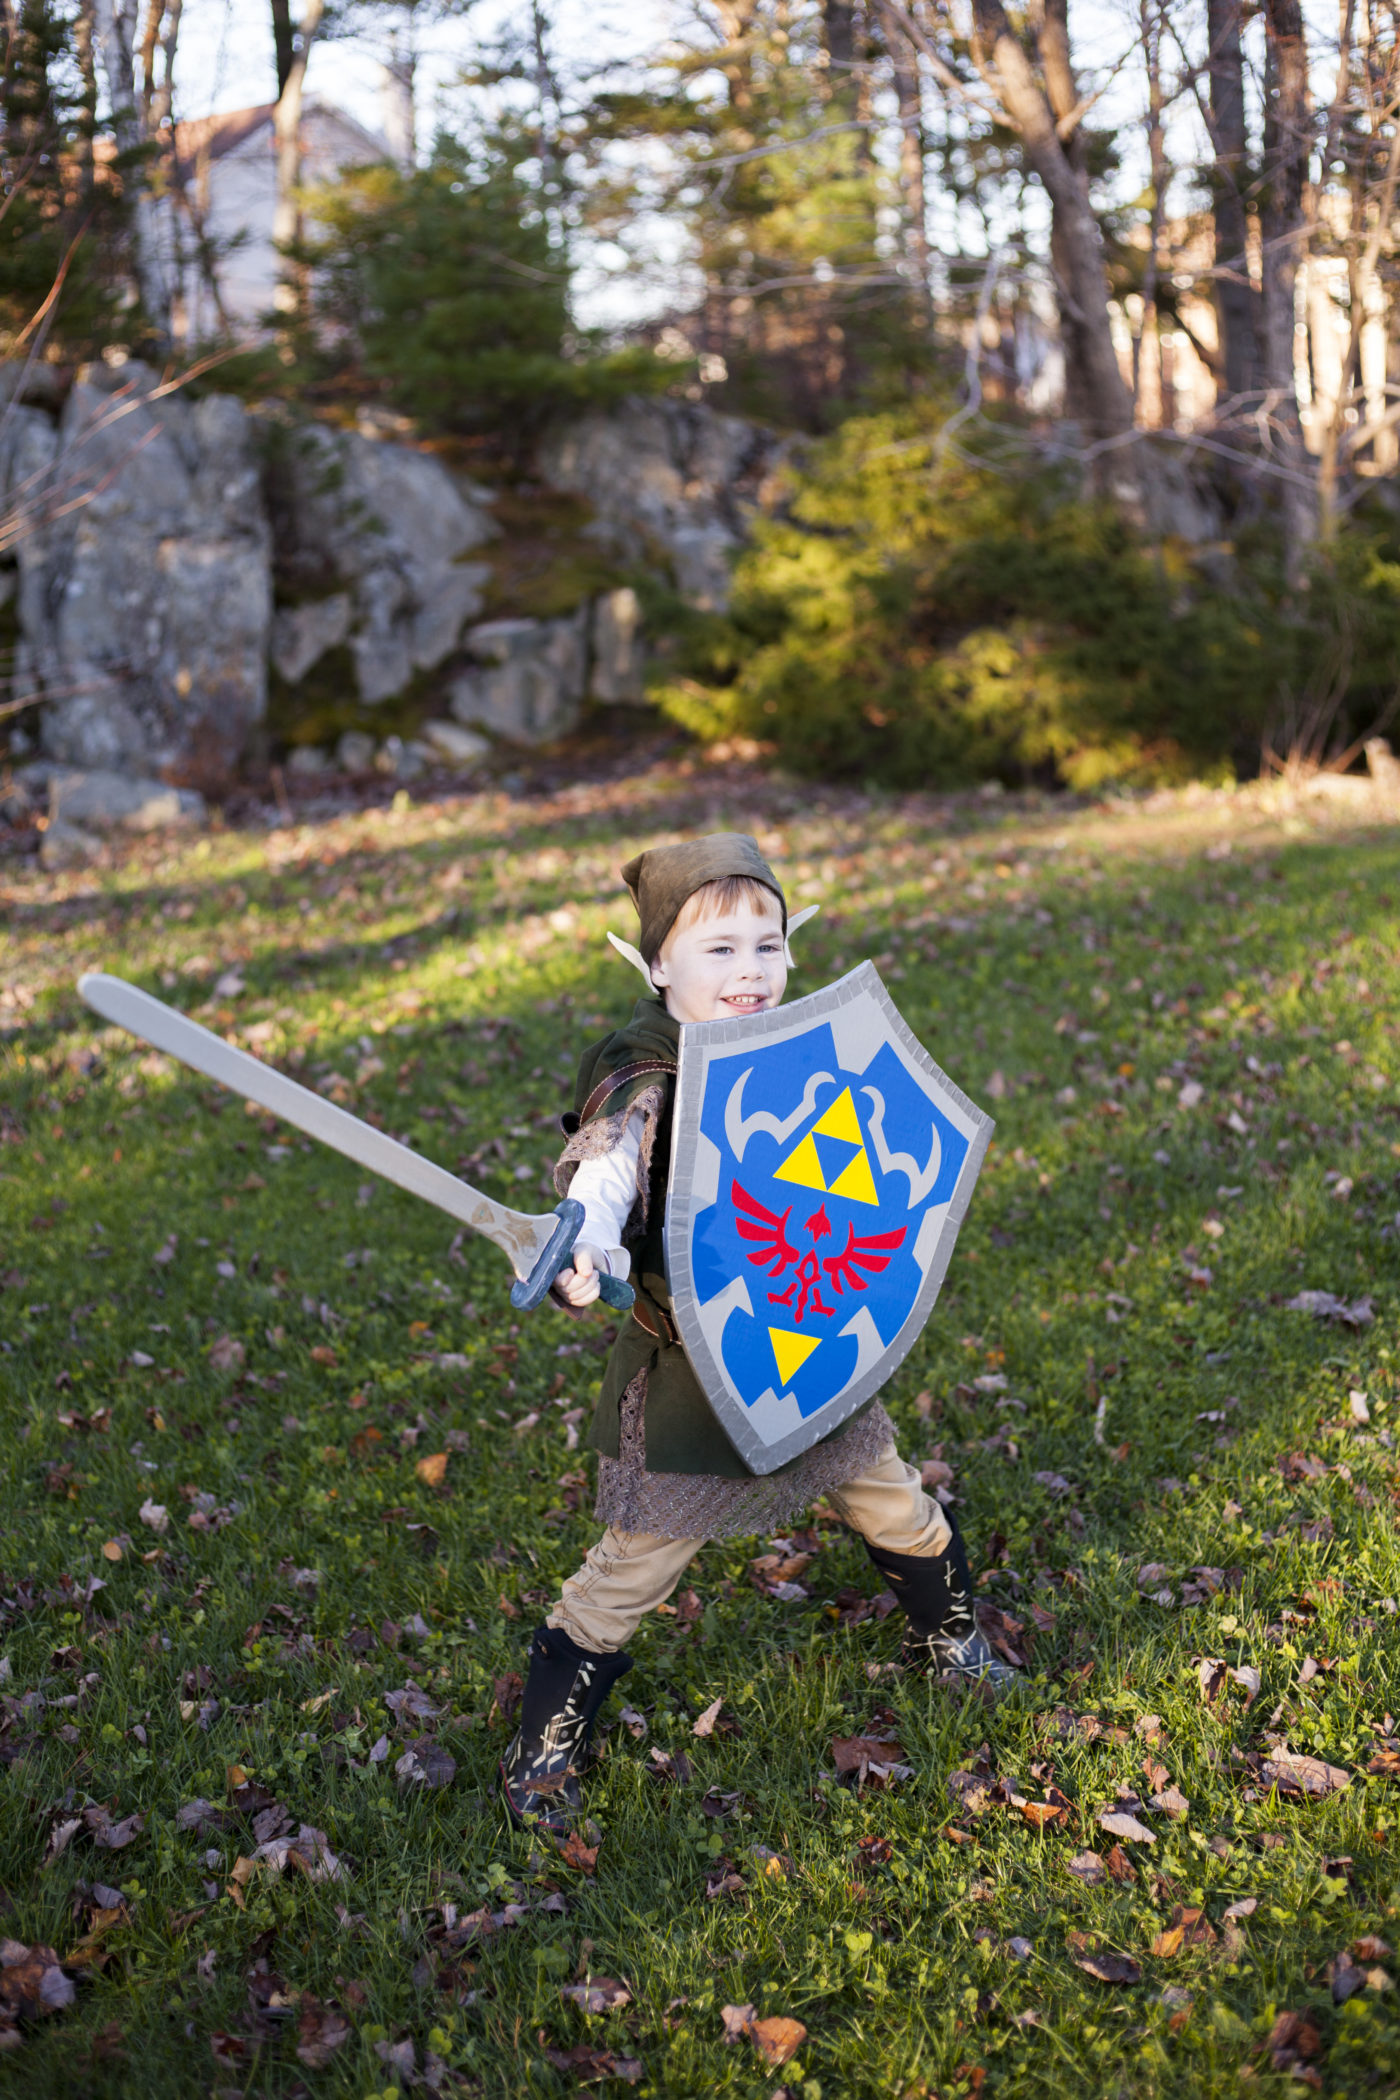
821 1167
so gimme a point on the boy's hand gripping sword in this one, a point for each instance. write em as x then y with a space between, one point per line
537 1246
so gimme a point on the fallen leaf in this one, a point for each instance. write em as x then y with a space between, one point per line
777 2039
1245 1907
601 1994
737 2021
869 1758
1087 1867
154 1514
433 1470
1109 1968
589 2065
575 1853
112 1550
706 1723
1119 1865
1292 1773
321 2030
1370 1948
32 1982
426 1764
1119 1823
226 1354
1171 1802
1167 1943
324 1354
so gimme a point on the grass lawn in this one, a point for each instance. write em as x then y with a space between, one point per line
286 1485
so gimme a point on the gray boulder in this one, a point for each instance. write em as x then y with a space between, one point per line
144 599
383 527
354 752
673 480
101 801
457 746
618 654
529 686
301 634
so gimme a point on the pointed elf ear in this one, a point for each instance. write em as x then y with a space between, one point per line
635 957
799 918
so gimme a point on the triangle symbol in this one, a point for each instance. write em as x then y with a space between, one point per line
803 1166
791 1351
840 1121
857 1182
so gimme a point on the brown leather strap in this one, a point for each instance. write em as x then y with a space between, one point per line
623 1076
652 1320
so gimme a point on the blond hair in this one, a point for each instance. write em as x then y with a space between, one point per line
731 893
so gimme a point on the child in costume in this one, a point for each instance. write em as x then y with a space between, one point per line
714 931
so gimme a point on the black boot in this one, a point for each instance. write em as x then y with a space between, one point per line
941 1631
563 1692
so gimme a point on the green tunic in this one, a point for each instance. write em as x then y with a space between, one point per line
683 1433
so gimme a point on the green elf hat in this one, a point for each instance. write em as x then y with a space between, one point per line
662 880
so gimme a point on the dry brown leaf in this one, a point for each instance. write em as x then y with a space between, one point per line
432 1470
1109 1968
324 1354
1119 1865
112 1550
601 1994
1086 1867
1292 1773
777 2039
1167 1943
1120 1824
706 1723
321 2030
574 1853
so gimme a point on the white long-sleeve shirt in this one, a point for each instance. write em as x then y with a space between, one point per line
607 1189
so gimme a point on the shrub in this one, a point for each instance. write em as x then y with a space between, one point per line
908 619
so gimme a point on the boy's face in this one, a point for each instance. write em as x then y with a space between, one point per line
721 967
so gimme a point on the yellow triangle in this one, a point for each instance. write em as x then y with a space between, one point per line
790 1351
840 1121
803 1166
856 1181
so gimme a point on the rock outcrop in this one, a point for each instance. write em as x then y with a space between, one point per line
528 678
669 480
369 545
144 592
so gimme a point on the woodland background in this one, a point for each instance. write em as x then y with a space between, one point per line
1082 332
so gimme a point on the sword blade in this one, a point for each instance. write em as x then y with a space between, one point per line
521 1236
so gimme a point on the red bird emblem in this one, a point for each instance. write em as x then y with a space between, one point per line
850 1270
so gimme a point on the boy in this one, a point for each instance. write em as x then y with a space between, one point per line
713 945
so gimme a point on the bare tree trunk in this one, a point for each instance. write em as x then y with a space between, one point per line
115 24
909 95
286 126
1160 170
87 70
1362 268
1236 301
284 43
1287 136
1097 397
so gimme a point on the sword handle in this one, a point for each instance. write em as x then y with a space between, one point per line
532 1289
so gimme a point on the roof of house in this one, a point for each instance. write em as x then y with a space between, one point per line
200 140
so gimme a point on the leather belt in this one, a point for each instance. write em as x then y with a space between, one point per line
653 1320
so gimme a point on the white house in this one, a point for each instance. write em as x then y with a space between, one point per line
227 167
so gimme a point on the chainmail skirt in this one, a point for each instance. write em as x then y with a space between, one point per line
704 1506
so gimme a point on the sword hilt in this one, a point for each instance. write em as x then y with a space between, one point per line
530 1290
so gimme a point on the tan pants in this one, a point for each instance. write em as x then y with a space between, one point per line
628 1573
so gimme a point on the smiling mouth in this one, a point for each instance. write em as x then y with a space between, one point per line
745 1000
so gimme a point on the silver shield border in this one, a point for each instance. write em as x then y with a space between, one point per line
699 1040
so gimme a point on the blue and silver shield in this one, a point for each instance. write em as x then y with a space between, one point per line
821 1166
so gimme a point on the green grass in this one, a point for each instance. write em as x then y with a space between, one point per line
447 963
